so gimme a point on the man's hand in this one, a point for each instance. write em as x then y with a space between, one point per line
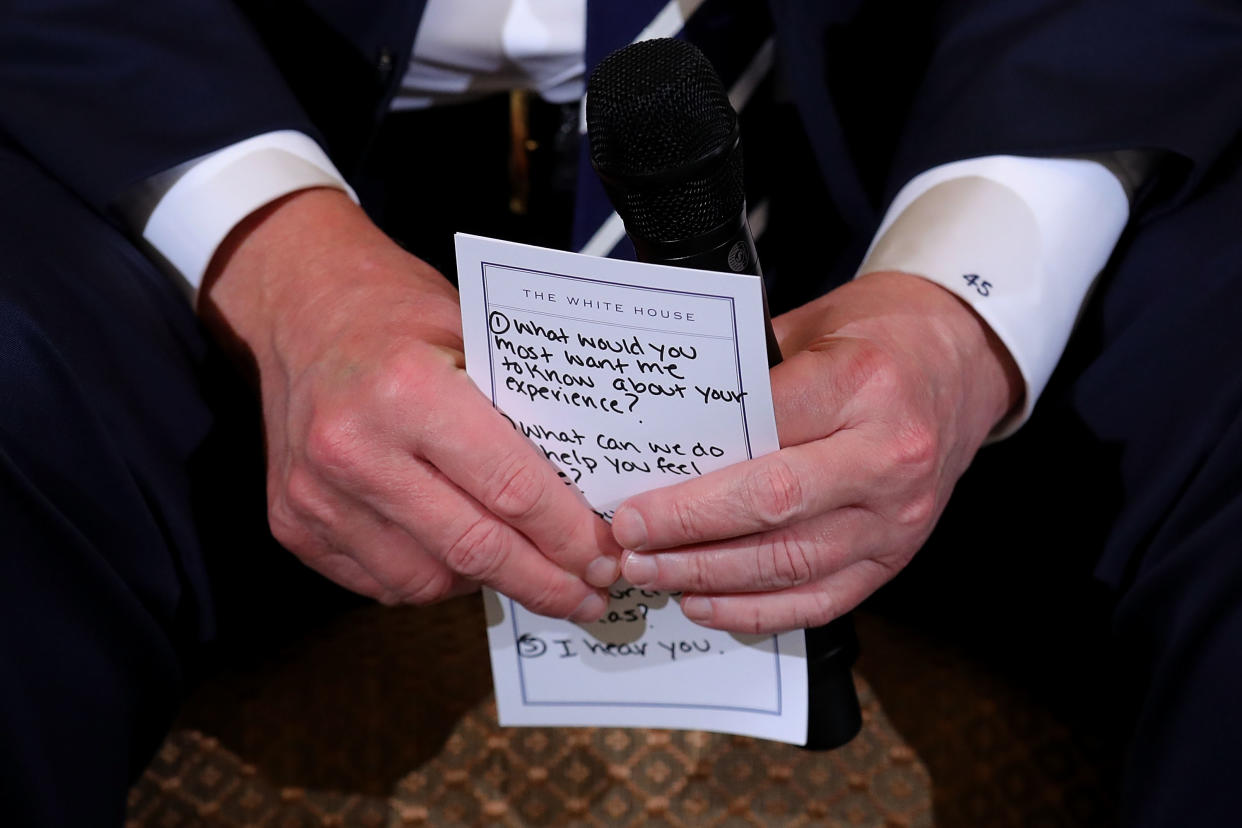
388 471
889 386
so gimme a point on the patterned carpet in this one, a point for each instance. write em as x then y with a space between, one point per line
383 717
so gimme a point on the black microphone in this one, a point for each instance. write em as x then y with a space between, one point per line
666 143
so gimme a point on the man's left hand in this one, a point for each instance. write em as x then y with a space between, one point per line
889 387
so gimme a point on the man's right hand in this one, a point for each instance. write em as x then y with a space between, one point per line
388 471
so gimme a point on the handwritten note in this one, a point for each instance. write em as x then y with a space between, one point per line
628 377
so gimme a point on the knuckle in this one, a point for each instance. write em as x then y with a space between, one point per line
280 517
426 588
551 600
333 444
287 531
688 518
871 367
700 572
478 552
403 379
302 498
918 511
914 451
885 568
784 561
818 609
775 493
292 528
757 624
516 488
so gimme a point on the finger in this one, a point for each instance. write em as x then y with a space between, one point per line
471 542
342 569
776 560
813 390
512 479
296 516
408 573
769 492
350 543
799 608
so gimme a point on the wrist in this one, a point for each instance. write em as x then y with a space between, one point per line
959 351
962 363
300 270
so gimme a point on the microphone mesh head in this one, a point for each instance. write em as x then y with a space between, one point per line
657 109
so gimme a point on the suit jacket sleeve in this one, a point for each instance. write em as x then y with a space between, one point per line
104 94
1034 77
889 88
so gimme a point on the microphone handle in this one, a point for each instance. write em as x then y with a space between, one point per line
834 715
729 248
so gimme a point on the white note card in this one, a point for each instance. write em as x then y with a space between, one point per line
628 377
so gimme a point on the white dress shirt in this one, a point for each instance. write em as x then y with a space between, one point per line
1021 240
496 46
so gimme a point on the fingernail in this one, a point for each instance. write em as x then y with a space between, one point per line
639 570
697 608
629 529
603 571
591 608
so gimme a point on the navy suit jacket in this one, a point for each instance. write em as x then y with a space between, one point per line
103 93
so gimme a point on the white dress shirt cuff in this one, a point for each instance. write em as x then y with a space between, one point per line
1021 240
217 191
